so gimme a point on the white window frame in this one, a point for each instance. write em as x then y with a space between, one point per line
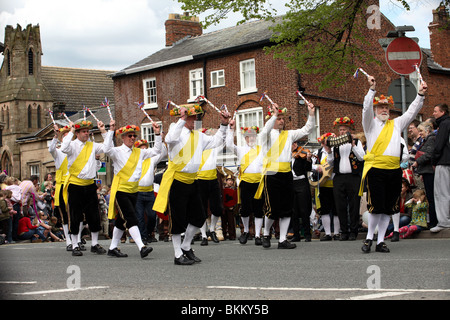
247 76
148 134
34 169
218 78
195 79
148 95
242 121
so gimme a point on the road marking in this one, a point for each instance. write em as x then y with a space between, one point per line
327 289
18 282
376 296
59 290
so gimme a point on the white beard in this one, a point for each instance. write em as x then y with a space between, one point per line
382 117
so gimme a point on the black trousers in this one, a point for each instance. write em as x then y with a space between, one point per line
83 202
211 194
278 195
185 207
383 190
249 204
126 211
302 207
347 201
61 209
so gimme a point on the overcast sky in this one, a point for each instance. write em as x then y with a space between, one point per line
114 34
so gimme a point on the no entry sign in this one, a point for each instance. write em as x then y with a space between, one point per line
402 54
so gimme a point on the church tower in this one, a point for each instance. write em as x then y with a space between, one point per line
24 99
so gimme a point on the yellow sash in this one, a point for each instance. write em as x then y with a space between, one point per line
270 164
121 183
75 169
375 158
207 174
145 166
173 172
59 179
246 160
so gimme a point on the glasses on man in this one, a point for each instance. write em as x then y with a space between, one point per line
131 136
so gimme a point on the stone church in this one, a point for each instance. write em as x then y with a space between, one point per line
29 90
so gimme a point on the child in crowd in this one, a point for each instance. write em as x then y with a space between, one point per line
418 222
57 231
5 215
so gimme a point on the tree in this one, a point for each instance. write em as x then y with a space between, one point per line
320 37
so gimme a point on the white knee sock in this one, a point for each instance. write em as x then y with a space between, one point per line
258 226
336 225
176 242
245 222
80 230
326 222
382 226
136 235
94 238
396 221
267 225
374 219
214 220
284 226
203 230
188 236
116 236
66 234
74 238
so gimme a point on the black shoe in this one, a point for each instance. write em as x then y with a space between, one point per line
153 239
307 238
81 246
183 261
326 237
395 236
69 247
98 249
83 241
295 238
204 242
213 236
243 238
258 241
266 241
286 245
382 247
337 237
366 246
352 236
116 253
344 237
76 252
191 256
145 251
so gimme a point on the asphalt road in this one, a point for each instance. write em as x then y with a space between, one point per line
415 269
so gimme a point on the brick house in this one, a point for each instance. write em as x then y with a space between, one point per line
229 67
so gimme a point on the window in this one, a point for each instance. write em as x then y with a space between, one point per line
247 76
217 78
148 134
30 125
34 170
150 93
248 118
30 62
38 118
195 83
8 61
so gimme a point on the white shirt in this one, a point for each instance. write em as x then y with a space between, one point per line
270 136
177 137
57 154
372 126
73 149
344 151
148 178
256 165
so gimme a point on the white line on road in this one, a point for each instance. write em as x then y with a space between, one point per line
18 282
376 296
327 289
59 290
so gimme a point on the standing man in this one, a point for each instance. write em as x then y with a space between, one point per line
251 160
382 161
441 159
179 190
347 161
124 189
277 180
80 190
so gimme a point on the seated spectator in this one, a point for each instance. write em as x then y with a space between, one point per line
27 231
403 218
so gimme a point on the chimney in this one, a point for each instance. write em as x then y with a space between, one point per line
179 27
439 36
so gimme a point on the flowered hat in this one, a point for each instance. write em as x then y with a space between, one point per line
383 100
280 112
141 142
127 129
83 124
250 130
192 110
326 136
64 129
345 121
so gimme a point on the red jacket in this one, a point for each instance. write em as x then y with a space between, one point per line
25 225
